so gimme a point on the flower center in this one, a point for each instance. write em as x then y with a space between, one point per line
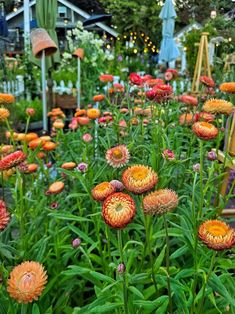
139 174
217 230
117 153
206 125
103 187
118 207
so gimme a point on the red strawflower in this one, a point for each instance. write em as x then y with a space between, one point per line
136 79
12 160
207 81
188 100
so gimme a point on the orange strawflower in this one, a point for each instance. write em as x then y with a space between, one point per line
160 202
217 235
27 282
206 116
80 112
106 78
102 190
56 187
36 143
4 215
139 179
186 119
98 98
68 165
218 106
83 120
4 114
118 210
93 113
58 124
6 99
49 146
205 130
30 137
117 156
228 87
12 160
6 149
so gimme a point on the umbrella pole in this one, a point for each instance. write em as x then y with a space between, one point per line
44 101
78 82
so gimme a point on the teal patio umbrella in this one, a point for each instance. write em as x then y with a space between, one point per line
168 50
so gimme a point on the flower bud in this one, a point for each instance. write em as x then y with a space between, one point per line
121 268
211 155
196 167
76 243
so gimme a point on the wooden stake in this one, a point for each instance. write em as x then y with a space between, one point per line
202 61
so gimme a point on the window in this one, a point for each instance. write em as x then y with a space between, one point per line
62 11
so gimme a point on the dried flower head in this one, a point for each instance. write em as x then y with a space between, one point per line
4 114
217 235
118 210
68 165
6 99
27 282
188 100
56 187
117 156
218 106
160 202
139 179
207 81
205 130
102 190
4 215
228 87
12 160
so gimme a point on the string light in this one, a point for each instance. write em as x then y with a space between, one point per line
135 50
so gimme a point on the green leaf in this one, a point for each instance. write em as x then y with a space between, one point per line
35 309
67 216
216 284
136 292
179 252
159 259
185 273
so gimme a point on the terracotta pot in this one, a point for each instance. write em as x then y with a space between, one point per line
79 53
42 41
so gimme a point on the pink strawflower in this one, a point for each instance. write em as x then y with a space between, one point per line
117 156
82 167
30 111
118 185
87 137
168 154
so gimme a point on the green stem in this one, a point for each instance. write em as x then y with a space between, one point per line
201 181
168 264
200 308
27 125
125 297
195 244
148 231
3 191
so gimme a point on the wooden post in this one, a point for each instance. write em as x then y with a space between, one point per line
202 59
229 165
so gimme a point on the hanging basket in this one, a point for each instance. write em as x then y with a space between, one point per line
65 101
